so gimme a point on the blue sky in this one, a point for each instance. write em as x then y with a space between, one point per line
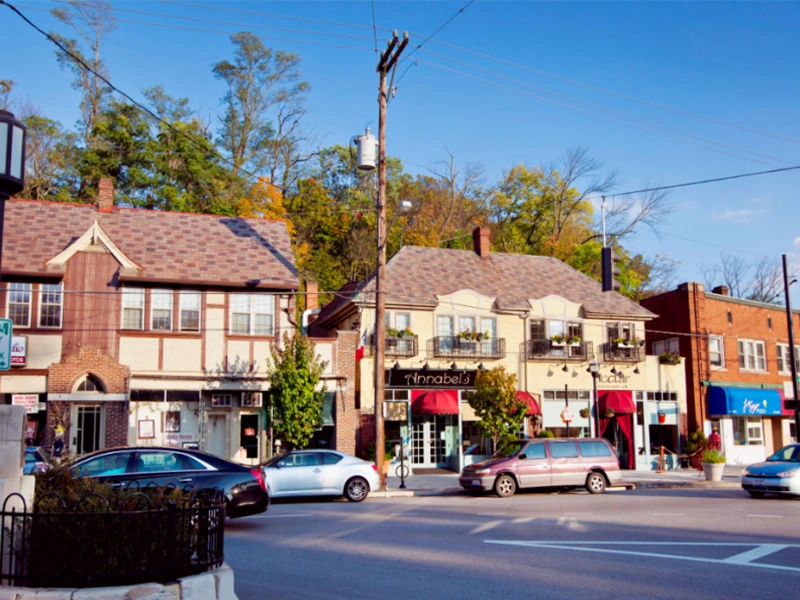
732 62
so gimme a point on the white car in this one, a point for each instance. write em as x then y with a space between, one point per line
780 474
320 473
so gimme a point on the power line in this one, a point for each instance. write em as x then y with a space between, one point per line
608 118
597 107
445 24
618 94
375 30
739 250
703 181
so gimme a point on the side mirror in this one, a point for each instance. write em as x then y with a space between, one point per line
280 464
523 456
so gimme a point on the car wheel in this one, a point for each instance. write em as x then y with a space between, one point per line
596 483
356 489
505 486
755 494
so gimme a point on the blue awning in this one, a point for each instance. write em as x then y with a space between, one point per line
743 401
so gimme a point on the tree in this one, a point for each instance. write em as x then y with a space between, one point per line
6 87
50 159
495 403
295 393
761 281
264 105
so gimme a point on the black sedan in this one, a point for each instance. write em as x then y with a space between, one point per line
244 488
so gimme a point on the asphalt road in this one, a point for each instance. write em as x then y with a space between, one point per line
693 544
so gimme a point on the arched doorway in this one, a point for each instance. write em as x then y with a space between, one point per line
88 417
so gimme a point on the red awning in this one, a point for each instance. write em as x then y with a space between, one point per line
530 401
620 400
434 402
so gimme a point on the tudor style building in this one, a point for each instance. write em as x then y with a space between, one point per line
451 313
147 327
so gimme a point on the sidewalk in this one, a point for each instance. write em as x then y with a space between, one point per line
447 485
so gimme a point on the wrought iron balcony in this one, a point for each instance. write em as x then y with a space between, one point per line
456 347
618 353
401 347
546 350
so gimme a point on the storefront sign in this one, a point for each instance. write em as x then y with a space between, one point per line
430 378
29 401
19 351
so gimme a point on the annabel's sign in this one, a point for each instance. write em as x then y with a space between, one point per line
430 378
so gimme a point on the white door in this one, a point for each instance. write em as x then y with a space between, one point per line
217 435
428 442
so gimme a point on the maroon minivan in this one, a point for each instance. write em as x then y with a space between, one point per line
554 462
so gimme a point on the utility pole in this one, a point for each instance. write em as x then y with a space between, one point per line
792 353
387 61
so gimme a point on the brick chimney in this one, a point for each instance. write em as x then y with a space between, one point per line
312 296
722 290
105 195
480 241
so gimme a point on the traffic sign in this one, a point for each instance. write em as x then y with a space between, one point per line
6 331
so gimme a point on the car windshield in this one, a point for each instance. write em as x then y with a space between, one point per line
787 454
510 450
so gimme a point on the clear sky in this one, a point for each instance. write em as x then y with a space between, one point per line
734 62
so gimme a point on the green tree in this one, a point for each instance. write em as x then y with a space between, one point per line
295 394
495 403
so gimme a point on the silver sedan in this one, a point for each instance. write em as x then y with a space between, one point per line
320 473
779 474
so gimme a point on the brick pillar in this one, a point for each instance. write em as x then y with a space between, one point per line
105 195
312 295
697 363
480 241
347 417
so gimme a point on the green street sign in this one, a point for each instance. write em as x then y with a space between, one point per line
6 331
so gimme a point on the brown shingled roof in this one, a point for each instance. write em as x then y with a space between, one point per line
417 275
168 246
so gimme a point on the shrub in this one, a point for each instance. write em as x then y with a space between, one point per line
713 456
388 450
545 433
696 441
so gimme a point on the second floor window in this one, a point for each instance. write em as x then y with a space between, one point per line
620 331
537 330
133 308
252 314
19 304
752 356
668 345
51 301
161 310
190 311
785 359
716 351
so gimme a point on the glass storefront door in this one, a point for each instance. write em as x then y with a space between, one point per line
88 429
429 440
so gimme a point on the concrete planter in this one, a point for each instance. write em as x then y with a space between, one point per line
713 471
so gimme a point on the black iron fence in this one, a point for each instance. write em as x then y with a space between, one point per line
457 347
551 351
621 353
89 544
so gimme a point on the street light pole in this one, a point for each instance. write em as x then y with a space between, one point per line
387 61
566 404
792 353
594 369
12 164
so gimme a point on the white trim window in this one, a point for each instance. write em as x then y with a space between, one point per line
747 431
133 308
252 314
161 310
752 355
19 304
785 359
716 351
190 311
402 321
668 345
51 304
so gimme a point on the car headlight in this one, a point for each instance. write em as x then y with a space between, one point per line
788 474
483 472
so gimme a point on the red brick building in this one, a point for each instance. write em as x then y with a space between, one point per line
737 360
149 328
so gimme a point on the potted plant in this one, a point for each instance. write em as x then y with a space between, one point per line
391 332
669 358
713 464
608 413
696 443
574 340
585 413
623 343
558 340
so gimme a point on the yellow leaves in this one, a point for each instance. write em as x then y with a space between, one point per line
265 201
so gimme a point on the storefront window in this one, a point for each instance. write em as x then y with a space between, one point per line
747 431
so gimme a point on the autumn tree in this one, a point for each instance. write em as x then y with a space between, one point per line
295 393
495 403
761 280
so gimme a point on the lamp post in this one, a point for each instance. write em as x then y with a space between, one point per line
792 357
12 164
594 369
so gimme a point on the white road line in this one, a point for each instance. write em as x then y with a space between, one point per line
765 516
667 514
524 520
577 514
754 554
404 514
486 526
283 516
583 548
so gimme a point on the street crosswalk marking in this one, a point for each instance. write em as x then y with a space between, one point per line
742 559
765 516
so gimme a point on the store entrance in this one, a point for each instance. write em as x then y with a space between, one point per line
429 440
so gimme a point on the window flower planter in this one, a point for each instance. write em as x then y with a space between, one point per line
669 358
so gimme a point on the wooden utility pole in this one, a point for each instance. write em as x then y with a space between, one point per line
387 61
